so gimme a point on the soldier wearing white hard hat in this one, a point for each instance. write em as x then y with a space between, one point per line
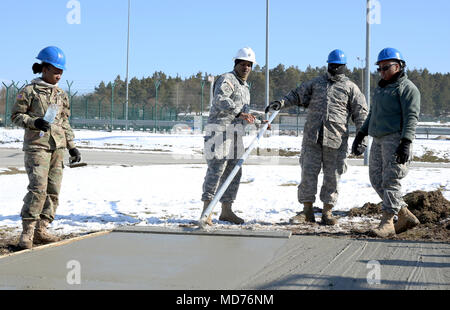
229 112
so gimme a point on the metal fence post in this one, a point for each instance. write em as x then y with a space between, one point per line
157 84
86 101
298 110
112 105
6 102
69 85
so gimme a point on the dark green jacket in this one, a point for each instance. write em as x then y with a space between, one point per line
395 108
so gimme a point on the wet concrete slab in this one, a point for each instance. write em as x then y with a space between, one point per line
143 260
313 262
124 260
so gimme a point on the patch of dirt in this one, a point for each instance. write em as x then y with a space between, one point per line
428 207
12 170
429 157
368 209
9 240
274 152
289 184
441 138
431 208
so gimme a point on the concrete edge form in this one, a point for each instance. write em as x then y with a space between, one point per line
209 232
59 243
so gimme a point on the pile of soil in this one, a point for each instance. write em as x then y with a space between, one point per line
431 208
368 209
428 207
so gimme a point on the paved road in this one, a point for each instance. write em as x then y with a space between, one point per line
124 260
14 158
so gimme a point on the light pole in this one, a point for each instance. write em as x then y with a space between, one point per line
267 55
367 90
362 72
298 109
211 90
126 78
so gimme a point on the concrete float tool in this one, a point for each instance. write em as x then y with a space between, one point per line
202 222
72 164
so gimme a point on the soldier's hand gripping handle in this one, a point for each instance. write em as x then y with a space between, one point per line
274 106
75 155
42 124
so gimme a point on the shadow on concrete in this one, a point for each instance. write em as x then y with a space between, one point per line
339 283
436 255
409 263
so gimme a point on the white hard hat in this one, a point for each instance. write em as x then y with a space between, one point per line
247 54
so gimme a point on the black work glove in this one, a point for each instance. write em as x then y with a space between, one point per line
42 124
75 155
358 147
274 106
402 151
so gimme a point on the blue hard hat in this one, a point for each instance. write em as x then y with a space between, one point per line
337 57
389 53
54 56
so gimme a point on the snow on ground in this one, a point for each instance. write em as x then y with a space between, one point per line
97 197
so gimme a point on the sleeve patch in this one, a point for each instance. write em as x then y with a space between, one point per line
230 84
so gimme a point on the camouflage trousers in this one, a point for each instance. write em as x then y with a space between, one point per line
314 158
385 173
220 166
45 171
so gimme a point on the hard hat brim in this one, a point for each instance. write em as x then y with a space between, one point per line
59 66
254 63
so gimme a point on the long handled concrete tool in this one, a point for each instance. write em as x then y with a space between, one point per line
202 222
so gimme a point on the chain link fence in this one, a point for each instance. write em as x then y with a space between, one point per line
107 111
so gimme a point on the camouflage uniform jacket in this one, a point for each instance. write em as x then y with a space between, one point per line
32 103
231 97
331 102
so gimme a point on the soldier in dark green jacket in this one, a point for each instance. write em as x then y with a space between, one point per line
392 122
44 143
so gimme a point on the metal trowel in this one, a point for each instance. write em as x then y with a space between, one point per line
72 164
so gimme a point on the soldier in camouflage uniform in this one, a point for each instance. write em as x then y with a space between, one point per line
331 100
391 122
228 115
44 145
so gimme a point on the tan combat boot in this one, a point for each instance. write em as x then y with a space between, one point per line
26 238
406 220
228 215
306 216
41 234
327 216
386 228
205 205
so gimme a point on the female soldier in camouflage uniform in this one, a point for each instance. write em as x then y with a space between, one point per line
44 152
